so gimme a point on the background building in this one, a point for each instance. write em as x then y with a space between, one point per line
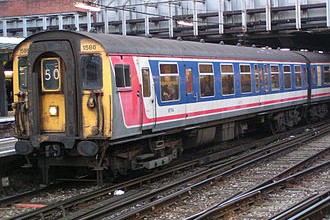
285 23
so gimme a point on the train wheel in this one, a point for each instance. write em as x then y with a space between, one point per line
277 124
318 112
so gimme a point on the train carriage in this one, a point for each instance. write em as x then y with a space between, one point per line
123 102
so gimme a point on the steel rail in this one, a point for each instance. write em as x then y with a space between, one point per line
67 204
305 208
238 164
218 210
284 174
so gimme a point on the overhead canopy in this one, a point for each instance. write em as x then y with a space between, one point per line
9 43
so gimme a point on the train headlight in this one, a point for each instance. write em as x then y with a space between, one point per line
53 110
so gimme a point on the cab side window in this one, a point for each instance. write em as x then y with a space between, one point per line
22 73
91 71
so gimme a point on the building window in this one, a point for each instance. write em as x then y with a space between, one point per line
206 80
274 71
123 75
287 77
169 82
227 79
91 71
245 71
297 76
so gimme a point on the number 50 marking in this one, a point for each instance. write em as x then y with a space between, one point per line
55 74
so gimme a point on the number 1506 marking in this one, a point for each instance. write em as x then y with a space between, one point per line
89 47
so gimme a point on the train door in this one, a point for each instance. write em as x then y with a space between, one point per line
261 78
261 83
148 94
53 83
52 95
191 88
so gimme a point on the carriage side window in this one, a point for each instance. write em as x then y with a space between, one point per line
189 81
245 78
169 82
297 76
22 73
326 72
313 69
123 75
227 79
275 77
266 77
304 75
91 71
206 80
258 77
146 81
319 75
51 74
287 77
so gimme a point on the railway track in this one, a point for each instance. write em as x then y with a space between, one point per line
140 201
265 201
211 154
230 183
312 208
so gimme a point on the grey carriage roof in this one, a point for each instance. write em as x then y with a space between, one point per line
118 44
